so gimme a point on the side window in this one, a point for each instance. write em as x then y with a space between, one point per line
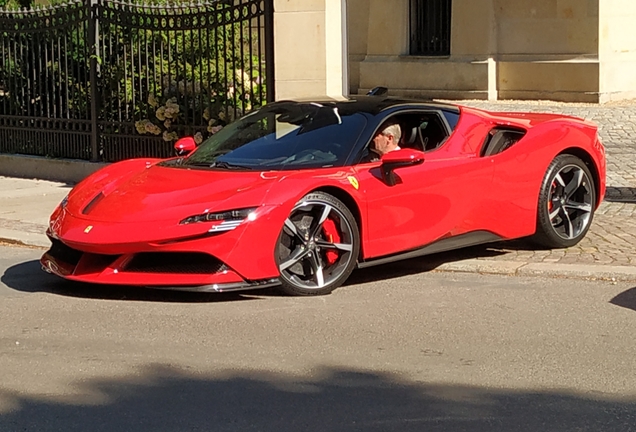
433 132
424 131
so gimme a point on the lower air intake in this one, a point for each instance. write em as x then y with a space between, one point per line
174 262
64 253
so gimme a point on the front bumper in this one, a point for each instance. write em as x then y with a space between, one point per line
102 252
185 271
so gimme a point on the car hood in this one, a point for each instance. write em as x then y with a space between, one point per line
156 193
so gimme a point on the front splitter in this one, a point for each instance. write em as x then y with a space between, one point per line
218 288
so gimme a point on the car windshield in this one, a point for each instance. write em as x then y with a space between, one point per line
282 136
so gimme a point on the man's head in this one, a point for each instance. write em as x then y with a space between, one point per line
388 138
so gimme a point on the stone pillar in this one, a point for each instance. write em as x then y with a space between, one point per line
617 49
309 48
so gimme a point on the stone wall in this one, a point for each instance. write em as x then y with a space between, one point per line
567 50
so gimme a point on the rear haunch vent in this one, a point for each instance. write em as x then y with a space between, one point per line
174 262
93 203
500 139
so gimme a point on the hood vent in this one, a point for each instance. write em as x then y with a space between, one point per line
93 203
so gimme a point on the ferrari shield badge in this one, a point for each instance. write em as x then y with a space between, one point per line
354 182
88 229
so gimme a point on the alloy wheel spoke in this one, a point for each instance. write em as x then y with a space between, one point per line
346 247
555 211
575 183
567 222
323 217
298 255
585 207
292 227
559 179
317 268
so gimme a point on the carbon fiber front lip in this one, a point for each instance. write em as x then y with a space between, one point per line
217 288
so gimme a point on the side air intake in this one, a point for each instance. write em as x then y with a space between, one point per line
500 139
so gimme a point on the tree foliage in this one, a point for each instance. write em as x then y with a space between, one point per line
166 78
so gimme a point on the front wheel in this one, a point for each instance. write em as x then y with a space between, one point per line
318 246
566 203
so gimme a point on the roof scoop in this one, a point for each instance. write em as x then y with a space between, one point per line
378 91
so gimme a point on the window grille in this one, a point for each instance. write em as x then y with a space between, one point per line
430 27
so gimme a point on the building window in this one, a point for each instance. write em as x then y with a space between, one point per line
430 27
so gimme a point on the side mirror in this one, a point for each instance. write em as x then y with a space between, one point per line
399 159
185 146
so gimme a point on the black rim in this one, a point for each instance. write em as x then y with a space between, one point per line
570 203
316 245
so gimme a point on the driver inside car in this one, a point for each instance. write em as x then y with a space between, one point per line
385 141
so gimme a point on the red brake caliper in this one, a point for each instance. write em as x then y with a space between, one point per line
330 231
550 203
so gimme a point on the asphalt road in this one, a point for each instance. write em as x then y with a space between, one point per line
398 349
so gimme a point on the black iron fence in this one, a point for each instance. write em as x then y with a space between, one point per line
109 80
430 27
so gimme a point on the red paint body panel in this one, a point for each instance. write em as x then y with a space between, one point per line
136 206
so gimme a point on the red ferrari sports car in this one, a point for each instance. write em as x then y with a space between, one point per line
284 196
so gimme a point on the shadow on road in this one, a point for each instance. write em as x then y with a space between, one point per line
28 277
626 299
165 399
431 262
621 194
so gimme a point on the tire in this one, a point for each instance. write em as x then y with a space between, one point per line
318 246
566 203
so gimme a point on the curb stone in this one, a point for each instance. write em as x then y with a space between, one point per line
515 268
24 239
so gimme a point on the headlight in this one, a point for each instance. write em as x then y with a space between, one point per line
231 217
64 202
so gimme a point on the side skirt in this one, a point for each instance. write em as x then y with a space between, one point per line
444 245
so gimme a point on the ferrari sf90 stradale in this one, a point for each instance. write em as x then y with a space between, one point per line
283 196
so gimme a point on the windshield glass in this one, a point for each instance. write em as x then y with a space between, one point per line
282 136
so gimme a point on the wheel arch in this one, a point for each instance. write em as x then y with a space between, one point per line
351 204
589 162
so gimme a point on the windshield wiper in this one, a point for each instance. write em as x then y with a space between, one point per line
217 164
197 164
227 165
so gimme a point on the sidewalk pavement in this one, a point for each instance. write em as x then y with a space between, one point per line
607 252
25 207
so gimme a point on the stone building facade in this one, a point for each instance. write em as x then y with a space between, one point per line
566 50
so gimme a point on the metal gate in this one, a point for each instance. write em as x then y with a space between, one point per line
110 80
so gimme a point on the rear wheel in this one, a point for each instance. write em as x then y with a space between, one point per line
566 203
318 246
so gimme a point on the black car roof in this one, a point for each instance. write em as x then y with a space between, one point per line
373 104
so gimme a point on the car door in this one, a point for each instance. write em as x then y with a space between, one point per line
518 169
439 198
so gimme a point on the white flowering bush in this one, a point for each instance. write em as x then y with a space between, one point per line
191 83
167 120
